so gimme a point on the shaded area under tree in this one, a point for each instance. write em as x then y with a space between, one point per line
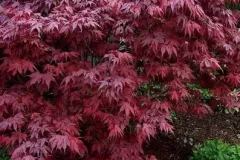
190 131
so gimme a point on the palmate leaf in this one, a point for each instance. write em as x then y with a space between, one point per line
17 66
39 78
127 109
13 123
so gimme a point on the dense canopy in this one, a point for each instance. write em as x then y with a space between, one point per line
97 78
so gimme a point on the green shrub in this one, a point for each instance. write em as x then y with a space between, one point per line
3 154
216 150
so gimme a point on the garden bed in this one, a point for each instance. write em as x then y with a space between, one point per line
190 131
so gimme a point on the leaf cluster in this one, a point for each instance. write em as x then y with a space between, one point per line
216 150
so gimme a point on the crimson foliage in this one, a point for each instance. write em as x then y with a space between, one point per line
97 78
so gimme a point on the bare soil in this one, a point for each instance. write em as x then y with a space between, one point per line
190 131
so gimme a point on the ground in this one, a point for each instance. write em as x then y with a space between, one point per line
190 130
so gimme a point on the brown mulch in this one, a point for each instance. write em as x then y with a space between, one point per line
190 130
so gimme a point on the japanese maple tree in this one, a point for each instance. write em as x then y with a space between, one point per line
95 79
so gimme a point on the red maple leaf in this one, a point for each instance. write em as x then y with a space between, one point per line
39 78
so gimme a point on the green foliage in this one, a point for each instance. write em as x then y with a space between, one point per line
3 154
233 6
153 90
173 115
205 92
216 150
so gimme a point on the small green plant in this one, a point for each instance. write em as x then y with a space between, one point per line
4 154
233 6
153 90
173 115
205 92
216 150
